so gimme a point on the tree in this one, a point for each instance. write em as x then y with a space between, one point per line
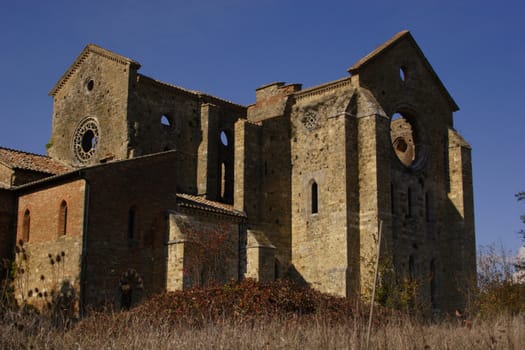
519 263
521 197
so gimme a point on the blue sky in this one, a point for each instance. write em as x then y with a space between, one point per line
228 48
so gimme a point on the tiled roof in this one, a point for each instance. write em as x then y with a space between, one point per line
197 202
30 161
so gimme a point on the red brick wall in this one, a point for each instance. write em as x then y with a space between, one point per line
44 206
51 261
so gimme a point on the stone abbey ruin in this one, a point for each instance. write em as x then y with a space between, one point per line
150 187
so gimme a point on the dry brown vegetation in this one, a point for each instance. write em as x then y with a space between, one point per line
248 315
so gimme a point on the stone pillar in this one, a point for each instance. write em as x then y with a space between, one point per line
174 256
207 163
461 213
247 181
374 193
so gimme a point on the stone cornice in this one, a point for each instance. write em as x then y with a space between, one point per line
322 89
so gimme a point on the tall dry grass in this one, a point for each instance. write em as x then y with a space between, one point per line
128 330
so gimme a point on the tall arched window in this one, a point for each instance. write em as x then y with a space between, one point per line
411 268
132 223
26 225
314 198
409 202
62 219
433 283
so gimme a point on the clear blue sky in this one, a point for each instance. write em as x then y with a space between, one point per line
228 48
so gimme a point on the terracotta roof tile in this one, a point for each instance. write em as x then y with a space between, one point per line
30 161
197 202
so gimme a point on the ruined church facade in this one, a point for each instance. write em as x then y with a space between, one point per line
149 187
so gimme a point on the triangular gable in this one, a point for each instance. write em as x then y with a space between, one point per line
392 42
91 48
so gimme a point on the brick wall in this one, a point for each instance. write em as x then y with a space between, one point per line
53 259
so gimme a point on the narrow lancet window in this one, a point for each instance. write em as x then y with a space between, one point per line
314 196
26 225
62 219
132 223
409 202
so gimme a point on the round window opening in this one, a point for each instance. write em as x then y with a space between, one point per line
403 137
85 139
90 85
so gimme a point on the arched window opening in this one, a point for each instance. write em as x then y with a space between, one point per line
224 138
314 198
428 207
392 199
132 223
409 202
411 269
62 219
433 283
403 138
165 120
403 73
26 225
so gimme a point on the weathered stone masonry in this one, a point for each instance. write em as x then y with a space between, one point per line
151 187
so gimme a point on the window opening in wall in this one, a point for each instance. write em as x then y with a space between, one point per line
314 197
62 219
132 222
224 138
89 141
409 202
26 225
164 120
411 272
392 199
433 283
402 136
428 213
403 73
90 85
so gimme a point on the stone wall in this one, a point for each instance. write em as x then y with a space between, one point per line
201 249
96 87
127 227
319 188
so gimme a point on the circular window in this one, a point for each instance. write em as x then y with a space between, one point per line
402 135
85 139
90 84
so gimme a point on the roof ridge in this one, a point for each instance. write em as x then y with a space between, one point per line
82 56
25 152
197 93
371 55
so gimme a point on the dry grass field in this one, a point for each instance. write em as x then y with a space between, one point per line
278 315
127 330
